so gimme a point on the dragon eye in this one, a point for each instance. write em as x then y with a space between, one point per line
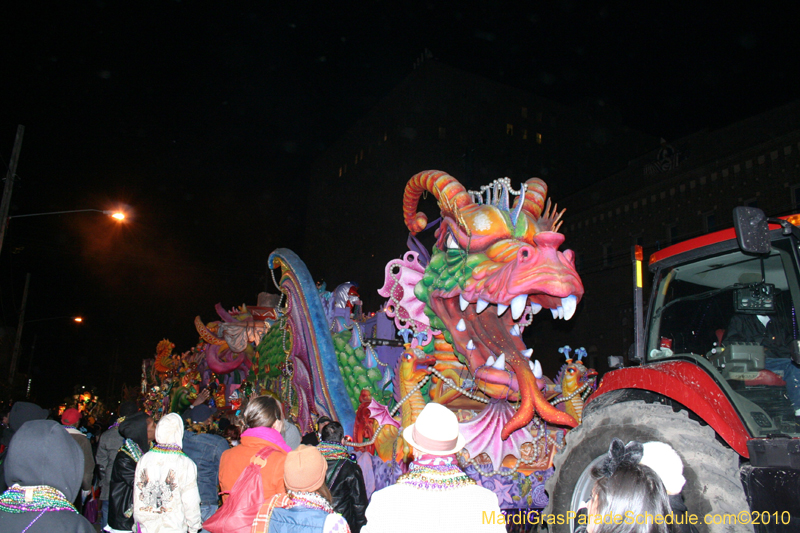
451 242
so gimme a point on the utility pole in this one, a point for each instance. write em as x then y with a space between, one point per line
18 340
5 203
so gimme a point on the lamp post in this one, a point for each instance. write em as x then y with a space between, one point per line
116 215
18 340
119 215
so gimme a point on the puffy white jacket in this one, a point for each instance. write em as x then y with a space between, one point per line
165 495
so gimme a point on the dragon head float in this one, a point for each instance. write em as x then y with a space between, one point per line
495 265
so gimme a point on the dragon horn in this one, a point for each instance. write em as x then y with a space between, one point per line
535 193
205 334
450 194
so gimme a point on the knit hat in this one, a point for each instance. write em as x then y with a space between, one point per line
666 463
200 413
305 469
71 417
127 408
435 431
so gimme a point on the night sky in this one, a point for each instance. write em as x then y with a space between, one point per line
201 118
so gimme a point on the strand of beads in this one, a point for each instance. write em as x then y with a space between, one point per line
167 448
19 499
367 346
571 395
405 398
452 384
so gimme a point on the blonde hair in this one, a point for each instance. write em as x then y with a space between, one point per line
325 492
261 412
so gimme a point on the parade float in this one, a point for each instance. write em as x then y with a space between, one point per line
449 332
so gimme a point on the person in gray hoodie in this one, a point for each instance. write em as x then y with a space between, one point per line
110 443
20 413
44 469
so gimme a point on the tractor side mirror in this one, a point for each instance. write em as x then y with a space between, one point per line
752 230
795 347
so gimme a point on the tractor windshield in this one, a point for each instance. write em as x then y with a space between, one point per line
735 315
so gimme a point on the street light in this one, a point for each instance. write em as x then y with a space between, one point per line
18 339
118 215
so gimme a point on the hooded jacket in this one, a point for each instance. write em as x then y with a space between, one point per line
165 494
20 413
346 483
120 490
110 442
42 453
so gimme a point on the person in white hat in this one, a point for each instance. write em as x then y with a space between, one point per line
435 494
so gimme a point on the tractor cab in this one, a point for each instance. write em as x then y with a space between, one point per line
734 314
719 379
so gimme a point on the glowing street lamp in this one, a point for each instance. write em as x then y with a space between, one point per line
118 215
78 319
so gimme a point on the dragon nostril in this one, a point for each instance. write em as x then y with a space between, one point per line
525 254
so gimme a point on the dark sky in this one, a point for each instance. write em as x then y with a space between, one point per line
201 117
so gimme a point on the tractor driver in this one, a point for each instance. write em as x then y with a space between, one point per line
774 333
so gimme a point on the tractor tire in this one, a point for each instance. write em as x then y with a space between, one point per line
713 486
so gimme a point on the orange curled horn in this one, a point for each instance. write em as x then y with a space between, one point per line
534 197
448 192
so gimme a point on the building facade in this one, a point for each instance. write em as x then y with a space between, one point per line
676 192
441 118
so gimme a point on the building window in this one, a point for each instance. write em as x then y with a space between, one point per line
509 129
385 136
672 234
538 138
356 161
709 221
524 112
345 169
361 155
525 134
539 116
607 254
442 132
340 172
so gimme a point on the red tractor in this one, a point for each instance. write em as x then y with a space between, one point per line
718 387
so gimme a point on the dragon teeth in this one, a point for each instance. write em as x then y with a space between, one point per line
555 313
569 304
470 345
490 361
527 353
501 308
462 302
536 368
500 364
518 306
481 305
461 326
535 308
515 330
560 311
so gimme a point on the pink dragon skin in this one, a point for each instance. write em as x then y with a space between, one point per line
400 277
